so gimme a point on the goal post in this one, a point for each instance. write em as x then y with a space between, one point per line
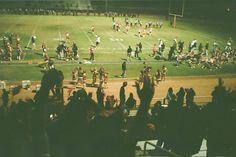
175 13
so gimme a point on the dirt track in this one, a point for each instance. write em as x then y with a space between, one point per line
203 87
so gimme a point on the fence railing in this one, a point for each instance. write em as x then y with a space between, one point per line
168 152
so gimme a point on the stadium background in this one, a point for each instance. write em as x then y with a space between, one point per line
193 8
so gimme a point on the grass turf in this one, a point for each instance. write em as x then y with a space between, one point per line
33 72
50 29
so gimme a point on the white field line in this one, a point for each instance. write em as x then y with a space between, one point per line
147 43
83 30
59 32
60 38
91 42
12 26
34 31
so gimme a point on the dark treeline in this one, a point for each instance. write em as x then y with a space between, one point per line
192 8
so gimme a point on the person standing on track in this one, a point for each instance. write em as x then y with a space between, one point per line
158 77
5 97
124 68
122 94
94 76
163 73
100 97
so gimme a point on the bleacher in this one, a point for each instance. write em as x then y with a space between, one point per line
85 5
148 149
48 4
78 5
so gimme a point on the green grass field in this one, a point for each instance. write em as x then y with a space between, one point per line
112 51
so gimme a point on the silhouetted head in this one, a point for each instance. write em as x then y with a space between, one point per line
170 90
131 95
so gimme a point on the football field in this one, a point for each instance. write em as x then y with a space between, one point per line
112 50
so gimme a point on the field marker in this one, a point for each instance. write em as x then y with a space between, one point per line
116 39
111 39
122 45
35 28
85 33
58 39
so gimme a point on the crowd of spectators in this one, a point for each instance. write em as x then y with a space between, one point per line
45 127
63 11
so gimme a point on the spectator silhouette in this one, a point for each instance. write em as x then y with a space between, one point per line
140 126
122 94
130 103
100 97
123 68
190 98
5 97
220 122
83 129
170 96
180 96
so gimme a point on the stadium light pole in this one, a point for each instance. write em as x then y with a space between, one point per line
183 8
106 5
169 6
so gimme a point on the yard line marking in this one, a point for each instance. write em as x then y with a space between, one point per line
35 28
82 29
60 38
147 43
111 36
87 35
12 26
59 32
